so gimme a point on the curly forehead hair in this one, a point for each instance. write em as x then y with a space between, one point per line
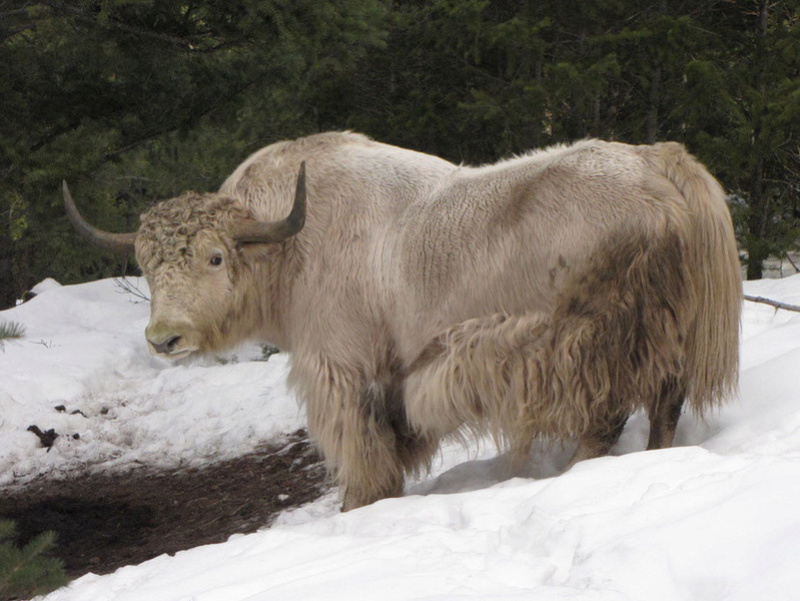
169 227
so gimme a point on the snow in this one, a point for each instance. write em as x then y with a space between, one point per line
715 517
84 349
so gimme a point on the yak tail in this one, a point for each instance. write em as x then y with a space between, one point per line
712 350
479 377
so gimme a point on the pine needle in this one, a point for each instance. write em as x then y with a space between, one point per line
27 571
10 330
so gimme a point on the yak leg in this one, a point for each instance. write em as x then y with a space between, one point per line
371 472
352 430
371 468
351 417
387 450
664 415
599 438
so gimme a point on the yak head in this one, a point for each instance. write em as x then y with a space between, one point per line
192 251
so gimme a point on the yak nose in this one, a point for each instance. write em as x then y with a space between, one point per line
166 347
169 339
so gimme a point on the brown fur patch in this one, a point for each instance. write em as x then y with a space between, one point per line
618 334
615 336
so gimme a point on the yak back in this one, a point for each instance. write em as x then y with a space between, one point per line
512 237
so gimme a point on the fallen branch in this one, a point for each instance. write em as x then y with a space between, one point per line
126 286
772 303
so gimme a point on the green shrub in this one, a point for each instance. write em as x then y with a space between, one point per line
27 571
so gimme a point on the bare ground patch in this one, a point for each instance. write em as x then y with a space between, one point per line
104 522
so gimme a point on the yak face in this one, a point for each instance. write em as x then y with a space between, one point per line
192 252
193 267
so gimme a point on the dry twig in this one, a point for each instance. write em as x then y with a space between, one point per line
773 303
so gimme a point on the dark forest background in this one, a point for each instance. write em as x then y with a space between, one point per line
133 101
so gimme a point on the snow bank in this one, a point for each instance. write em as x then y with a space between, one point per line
713 518
84 350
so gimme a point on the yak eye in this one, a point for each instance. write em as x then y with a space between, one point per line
216 260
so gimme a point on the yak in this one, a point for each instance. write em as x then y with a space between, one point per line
548 295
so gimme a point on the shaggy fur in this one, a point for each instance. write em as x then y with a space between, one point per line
615 336
485 375
547 295
645 316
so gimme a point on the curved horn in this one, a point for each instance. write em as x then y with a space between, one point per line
122 243
255 232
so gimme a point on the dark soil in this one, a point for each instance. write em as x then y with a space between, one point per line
104 522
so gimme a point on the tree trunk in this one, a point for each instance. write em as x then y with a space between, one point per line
651 119
759 211
8 297
652 111
757 221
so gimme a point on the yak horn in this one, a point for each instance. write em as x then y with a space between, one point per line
256 232
122 243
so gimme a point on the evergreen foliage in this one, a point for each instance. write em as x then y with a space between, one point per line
133 101
9 330
27 571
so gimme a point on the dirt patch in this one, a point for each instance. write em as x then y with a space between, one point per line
104 522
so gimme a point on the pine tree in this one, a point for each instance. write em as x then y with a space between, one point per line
741 112
28 571
91 89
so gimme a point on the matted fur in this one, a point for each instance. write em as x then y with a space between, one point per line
616 334
485 375
654 306
169 228
547 295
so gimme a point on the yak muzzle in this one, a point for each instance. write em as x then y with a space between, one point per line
167 347
169 342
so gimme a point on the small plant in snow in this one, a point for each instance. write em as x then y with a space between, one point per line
10 330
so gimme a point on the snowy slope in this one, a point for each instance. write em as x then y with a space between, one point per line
716 517
84 349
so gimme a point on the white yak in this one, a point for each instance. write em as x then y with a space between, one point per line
551 294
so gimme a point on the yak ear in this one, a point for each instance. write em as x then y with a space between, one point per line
255 252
